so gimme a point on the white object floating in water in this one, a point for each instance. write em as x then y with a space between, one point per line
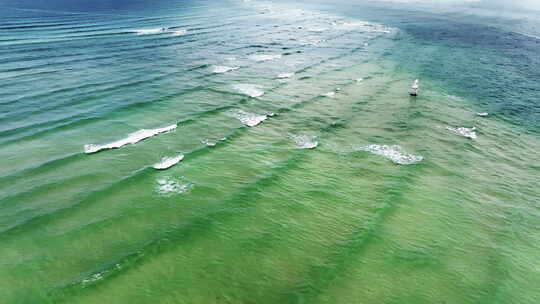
394 153
250 90
132 138
219 69
285 75
359 79
305 141
248 119
168 162
482 114
414 88
466 132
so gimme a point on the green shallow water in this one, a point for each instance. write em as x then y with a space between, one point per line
253 217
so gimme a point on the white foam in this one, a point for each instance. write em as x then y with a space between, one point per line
168 186
466 132
152 31
285 75
394 153
219 69
209 143
248 119
482 114
132 138
251 90
265 57
305 141
359 79
167 162
178 32
364 27
329 94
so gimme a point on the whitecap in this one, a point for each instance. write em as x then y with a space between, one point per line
219 69
248 119
305 141
364 26
394 153
150 31
266 57
168 186
178 32
209 143
466 132
329 94
93 278
250 90
132 138
167 162
285 75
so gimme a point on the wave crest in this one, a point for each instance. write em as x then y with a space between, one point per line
132 138
394 153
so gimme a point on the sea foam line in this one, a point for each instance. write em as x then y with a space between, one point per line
466 132
219 69
132 138
394 153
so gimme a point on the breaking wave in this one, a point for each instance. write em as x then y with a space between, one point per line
132 138
250 90
305 141
160 30
152 31
466 132
394 153
219 69
285 75
266 57
167 162
248 119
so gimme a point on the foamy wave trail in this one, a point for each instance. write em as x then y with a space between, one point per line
305 141
366 27
168 162
168 186
132 138
178 32
248 119
285 75
219 69
466 132
394 153
265 57
152 31
250 90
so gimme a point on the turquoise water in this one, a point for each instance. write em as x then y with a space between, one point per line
297 167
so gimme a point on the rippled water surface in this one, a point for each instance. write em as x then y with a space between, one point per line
266 152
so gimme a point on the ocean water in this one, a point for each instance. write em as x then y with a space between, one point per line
268 152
